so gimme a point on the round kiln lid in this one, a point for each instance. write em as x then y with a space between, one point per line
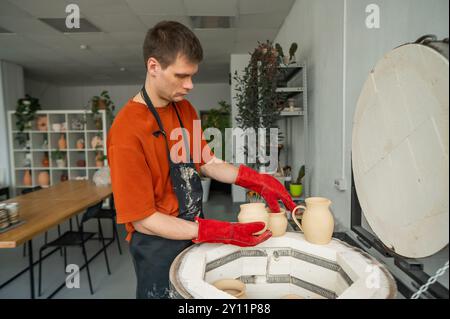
400 150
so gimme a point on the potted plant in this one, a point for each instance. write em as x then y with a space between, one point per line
101 102
60 158
100 159
292 51
280 52
256 98
218 118
286 60
25 114
296 188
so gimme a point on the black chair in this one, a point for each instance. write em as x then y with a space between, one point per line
77 238
110 214
27 191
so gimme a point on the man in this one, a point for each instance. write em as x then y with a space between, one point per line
157 195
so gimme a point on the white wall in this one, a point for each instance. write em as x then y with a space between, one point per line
318 28
11 89
203 96
238 62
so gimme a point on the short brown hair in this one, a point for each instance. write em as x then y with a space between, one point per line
167 39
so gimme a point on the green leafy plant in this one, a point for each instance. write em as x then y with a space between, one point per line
100 156
292 51
101 102
280 52
25 114
58 155
219 118
256 98
301 175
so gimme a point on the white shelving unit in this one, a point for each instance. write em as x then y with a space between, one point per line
36 148
295 87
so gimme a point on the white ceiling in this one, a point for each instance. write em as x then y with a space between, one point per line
50 55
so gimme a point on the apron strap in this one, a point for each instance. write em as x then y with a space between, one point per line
161 127
158 120
186 140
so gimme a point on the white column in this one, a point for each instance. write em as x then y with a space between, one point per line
11 89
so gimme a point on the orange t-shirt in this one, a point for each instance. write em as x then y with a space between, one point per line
138 160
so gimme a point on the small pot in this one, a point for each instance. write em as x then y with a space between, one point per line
42 122
56 127
233 287
296 189
60 163
277 223
80 144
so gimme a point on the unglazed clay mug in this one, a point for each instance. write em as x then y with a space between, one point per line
317 221
277 222
254 212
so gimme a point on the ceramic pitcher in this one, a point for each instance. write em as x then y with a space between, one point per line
254 212
317 222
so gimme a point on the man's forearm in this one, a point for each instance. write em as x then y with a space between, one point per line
220 171
167 226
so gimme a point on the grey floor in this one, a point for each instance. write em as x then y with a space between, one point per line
122 282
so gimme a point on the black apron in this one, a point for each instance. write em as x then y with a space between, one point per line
153 255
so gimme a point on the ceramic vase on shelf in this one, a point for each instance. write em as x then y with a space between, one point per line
80 144
99 160
61 163
64 177
42 123
62 143
254 212
43 179
27 180
81 163
45 161
96 142
317 221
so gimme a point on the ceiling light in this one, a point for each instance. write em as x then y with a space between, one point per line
60 25
212 22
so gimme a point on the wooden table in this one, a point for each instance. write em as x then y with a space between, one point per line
46 208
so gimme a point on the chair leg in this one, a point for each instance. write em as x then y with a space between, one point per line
78 222
87 268
103 244
59 235
24 250
65 258
116 235
40 272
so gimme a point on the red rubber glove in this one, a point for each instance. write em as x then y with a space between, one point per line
265 185
239 234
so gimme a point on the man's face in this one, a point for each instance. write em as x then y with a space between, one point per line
175 82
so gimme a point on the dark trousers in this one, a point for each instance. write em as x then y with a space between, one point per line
152 258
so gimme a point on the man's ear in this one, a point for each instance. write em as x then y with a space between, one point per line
153 66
